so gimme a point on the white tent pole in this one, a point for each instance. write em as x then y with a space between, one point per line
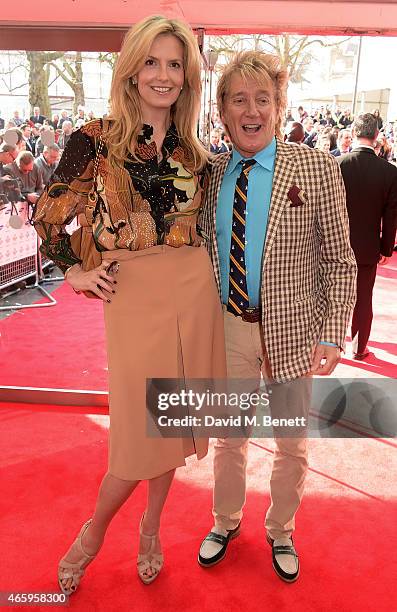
356 78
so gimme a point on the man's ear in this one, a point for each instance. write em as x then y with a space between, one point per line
376 138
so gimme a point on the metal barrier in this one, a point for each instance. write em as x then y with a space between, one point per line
18 270
20 257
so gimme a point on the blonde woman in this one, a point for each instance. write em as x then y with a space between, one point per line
162 313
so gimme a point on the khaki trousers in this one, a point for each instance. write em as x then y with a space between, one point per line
247 359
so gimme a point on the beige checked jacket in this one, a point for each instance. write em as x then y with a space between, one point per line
308 266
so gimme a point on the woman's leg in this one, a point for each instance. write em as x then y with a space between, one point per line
112 494
157 495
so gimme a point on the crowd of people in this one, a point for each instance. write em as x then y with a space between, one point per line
32 149
31 129
324 128
330 130
55 122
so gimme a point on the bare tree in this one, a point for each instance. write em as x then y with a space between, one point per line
72 73
295 52
108 58
39 73
7 76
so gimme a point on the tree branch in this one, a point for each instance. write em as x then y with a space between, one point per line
297 41
62 74
69 69
294 51
53 80
13 88
294 59
13 69
269 43
47 58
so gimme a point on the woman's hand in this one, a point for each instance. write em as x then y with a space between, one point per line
97 280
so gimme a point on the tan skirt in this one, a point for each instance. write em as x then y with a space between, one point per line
165 321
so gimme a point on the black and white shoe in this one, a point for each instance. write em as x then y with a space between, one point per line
285 558
213 547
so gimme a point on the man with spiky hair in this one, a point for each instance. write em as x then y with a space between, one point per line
277 232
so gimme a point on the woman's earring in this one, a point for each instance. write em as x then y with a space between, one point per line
134 81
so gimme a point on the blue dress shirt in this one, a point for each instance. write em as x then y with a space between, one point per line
257 212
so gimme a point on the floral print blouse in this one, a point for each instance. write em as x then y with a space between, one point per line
139 205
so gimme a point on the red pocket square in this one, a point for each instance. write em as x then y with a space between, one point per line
296 196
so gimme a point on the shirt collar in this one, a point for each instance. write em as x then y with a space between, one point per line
264 158
171 139
363 146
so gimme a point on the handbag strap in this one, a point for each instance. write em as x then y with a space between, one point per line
93 194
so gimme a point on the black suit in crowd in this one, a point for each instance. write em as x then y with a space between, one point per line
37 119
216 150
29 145
371 197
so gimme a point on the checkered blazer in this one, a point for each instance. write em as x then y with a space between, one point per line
308 266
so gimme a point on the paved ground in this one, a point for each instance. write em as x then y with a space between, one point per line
23 293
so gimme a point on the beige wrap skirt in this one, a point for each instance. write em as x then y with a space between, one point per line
164 321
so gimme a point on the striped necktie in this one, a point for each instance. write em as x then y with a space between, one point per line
238 294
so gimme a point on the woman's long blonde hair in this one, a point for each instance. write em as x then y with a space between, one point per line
126 116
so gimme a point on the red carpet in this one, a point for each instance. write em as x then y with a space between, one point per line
63 346
53 460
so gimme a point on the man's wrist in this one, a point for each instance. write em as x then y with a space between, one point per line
329 344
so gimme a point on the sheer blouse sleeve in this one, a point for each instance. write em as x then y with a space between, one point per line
63 199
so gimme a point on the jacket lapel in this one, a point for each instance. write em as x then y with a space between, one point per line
218 170
283 179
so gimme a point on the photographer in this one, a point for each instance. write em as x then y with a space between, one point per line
48 161
9 191
7 155
29 176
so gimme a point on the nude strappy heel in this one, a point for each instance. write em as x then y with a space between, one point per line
149 561
74 571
